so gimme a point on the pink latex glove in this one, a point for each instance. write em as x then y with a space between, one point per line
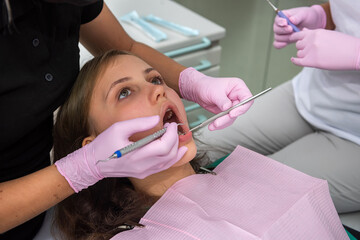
80 168
215 95
326 49
303 17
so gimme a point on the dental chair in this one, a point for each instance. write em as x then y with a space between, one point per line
45 231
351 220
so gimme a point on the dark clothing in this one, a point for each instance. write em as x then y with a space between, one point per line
38 66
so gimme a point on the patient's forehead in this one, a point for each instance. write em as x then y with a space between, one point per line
127 63
120 66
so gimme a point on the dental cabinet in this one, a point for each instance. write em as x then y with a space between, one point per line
201 52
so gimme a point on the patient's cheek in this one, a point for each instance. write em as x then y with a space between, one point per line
188 156
140 135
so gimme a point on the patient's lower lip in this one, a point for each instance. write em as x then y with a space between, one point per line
186 137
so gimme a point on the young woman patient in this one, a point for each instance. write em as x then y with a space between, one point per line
119 87
116 87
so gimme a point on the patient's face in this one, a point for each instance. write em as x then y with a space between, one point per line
129 88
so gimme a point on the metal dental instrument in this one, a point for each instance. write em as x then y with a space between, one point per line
213 118
281 14
135 145
131 147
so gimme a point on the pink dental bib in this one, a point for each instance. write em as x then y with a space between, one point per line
251 197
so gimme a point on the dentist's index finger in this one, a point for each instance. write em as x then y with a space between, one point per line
164 145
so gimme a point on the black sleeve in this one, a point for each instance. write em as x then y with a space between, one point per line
91 11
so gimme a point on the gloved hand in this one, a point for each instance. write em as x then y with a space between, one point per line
326 49
303 17
215 95
81 169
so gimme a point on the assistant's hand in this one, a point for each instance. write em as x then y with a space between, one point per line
80 168
303 17
327 49
215 95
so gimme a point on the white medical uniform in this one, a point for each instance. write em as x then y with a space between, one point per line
330 100
311 123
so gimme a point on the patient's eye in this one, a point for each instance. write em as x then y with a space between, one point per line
124 93
157 80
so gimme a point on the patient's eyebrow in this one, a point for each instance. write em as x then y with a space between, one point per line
124 79
146 71
121 80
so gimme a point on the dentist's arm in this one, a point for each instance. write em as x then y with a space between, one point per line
105 33
214 94
24 198
330 25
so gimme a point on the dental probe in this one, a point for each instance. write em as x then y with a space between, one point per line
135 145
213 118
281 14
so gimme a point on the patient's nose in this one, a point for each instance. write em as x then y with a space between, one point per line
157 93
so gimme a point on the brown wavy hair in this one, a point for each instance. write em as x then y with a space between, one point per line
98 211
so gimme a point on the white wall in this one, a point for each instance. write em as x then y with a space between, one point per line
247 47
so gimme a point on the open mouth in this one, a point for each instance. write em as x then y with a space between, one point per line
170 116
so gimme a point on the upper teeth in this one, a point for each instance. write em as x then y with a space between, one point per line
169 114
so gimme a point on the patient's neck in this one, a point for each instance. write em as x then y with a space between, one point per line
157 184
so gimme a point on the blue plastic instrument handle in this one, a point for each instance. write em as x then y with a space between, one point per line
204 64
281 14
204 44
118 153
156 34
172 26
